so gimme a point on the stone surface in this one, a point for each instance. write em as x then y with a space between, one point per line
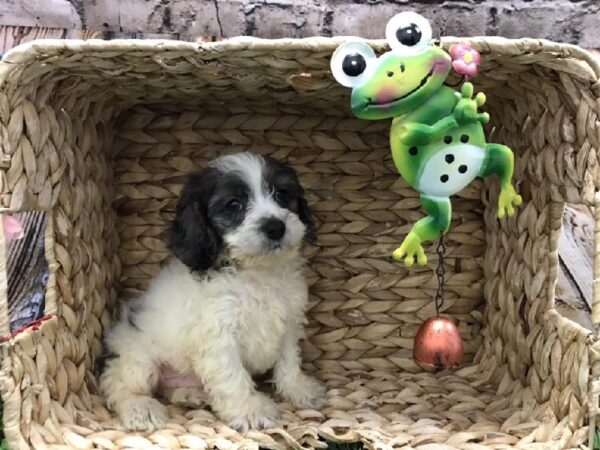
39 13
556 20
274 19
573 21
369 21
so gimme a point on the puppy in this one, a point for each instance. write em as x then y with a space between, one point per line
230 304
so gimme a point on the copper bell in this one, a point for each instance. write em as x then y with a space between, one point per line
438 344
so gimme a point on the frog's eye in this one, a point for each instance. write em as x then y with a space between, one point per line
352 62
408 32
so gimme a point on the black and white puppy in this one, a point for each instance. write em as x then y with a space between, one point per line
230 305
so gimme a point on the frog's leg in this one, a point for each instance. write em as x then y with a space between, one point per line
500 161
439 212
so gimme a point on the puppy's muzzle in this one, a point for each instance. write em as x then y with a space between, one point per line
273 229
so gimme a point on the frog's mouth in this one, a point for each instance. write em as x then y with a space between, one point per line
372 104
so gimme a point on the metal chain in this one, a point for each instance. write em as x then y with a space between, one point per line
440 272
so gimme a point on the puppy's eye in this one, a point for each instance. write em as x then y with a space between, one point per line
234 206
282 197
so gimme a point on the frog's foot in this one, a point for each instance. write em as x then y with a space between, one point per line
410 249
507 201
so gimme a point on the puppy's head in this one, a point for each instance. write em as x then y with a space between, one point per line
243 207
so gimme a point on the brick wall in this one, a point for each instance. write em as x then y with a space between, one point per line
574 21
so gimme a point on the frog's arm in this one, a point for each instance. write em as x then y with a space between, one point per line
439 212
500 161
414 133
445 111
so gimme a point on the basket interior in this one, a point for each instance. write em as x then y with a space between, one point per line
127 127
365 308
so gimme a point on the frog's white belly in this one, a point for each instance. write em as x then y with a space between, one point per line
451 169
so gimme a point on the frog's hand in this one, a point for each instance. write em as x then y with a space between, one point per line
426 229
500 161
465 111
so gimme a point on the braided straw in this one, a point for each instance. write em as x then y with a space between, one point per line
100 135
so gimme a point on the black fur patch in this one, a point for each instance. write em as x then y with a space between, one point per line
193 238
104 358
281 178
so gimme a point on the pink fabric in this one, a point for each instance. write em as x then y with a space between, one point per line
465 59
13 230
173 379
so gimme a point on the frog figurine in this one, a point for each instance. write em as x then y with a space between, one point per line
437 138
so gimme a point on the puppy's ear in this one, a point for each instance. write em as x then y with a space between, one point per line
307 219
193 240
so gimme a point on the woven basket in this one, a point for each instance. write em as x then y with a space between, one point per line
100 135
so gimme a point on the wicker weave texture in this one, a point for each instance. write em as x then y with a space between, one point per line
101 134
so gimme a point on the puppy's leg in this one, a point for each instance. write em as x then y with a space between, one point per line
231 390
300 389
127 383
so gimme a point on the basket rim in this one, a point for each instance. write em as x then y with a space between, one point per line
37 49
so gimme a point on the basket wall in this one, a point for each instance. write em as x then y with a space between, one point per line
101 135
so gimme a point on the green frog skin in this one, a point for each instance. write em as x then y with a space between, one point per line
437 138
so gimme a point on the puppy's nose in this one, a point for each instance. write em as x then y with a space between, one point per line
273 228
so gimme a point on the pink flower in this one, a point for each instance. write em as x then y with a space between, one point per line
465 59
12 228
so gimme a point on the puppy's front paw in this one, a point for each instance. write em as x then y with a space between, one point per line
306 393
260 412
143 414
